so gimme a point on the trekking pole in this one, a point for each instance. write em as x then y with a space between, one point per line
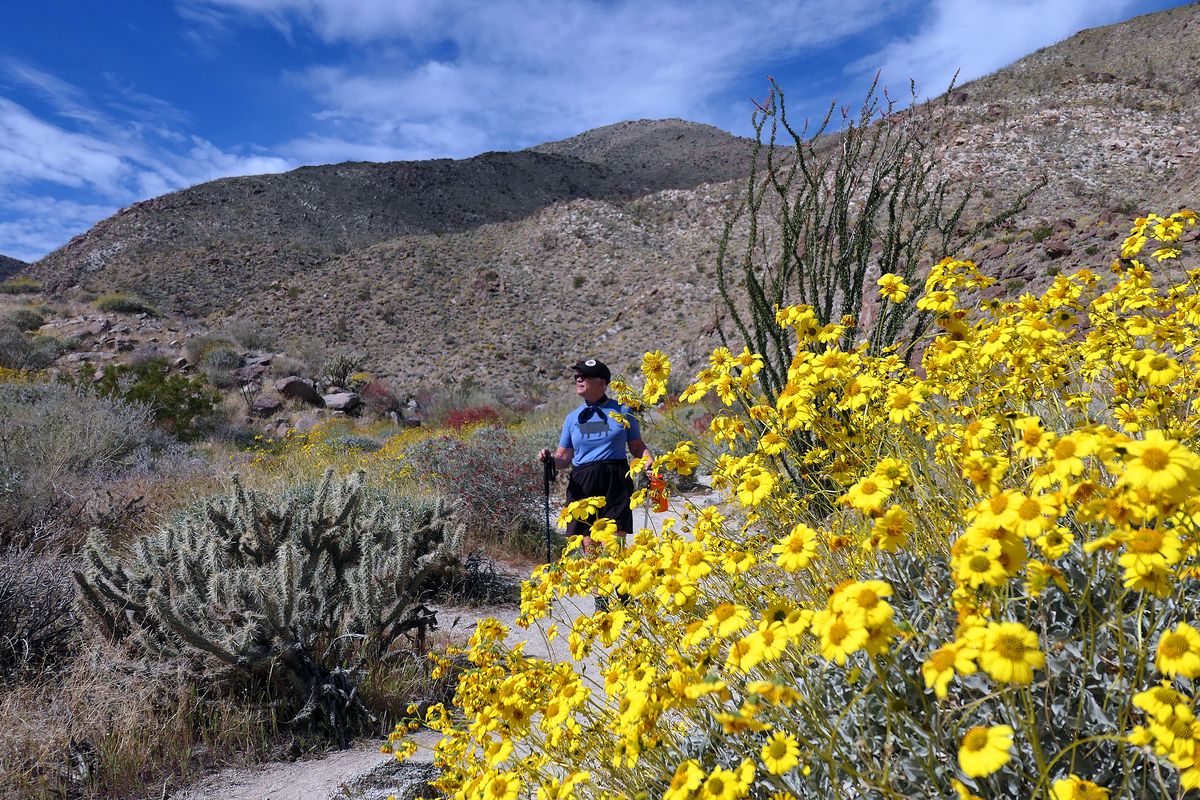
549 474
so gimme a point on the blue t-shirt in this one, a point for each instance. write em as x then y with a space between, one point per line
595 436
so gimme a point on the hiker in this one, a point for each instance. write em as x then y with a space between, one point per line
594 444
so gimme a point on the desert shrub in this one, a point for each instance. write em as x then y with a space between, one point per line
123 304
21 352
378 397
469 417
296 592
150 351
198 347
338 368
249 334
498 481
218 363
221 357
37 612
57 442
177 402
20 285
284 365
24 319
363 444
982 583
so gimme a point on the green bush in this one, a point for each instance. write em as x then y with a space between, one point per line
124 304
20 285
300 592
218 363
341 366
21 352
25 319
56 442
177 402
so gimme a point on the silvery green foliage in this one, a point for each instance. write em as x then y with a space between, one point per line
890 737
56 444
309 586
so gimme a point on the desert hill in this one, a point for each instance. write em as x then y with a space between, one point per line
10 266
508 266
263 228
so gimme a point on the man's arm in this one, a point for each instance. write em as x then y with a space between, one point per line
562 456
639 450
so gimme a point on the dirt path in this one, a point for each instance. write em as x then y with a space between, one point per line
362 772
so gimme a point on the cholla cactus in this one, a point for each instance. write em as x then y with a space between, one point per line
309 586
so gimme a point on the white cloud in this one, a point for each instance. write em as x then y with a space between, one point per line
456 77
35 150
103 161
35 225
976 37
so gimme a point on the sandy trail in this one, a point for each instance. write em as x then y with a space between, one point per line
362 772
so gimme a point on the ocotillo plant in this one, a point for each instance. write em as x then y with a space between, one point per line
307 586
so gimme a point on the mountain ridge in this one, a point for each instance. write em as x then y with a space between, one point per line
538 271
10 266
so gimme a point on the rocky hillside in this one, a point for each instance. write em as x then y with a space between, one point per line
195 250
10 266
508 266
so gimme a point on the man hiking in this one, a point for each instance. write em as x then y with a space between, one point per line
594 444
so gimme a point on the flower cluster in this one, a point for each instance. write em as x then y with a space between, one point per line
971 571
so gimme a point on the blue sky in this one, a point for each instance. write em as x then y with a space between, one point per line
105 104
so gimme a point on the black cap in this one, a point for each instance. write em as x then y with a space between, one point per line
591 368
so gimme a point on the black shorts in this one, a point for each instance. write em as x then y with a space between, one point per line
607 479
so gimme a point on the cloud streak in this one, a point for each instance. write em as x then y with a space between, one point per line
65 169
453 78
977 37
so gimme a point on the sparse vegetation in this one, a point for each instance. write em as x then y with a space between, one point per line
20 285
124 304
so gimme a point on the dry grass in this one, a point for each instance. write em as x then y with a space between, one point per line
108 727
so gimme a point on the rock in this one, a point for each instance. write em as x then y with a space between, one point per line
996 251
342 401
306 424
957 98
265 406
1056 248
76 358
180 363
98 327
299 389
260 360
249 373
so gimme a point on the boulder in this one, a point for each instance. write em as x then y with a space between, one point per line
298 389
342 401
265 406
1056 248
